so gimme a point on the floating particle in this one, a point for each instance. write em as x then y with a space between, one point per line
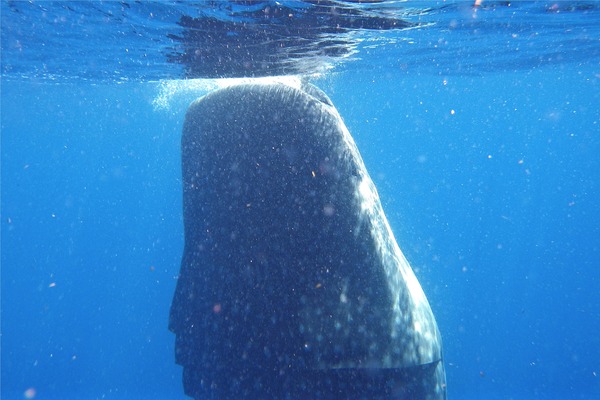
29 393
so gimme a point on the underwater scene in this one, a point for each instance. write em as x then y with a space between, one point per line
319 199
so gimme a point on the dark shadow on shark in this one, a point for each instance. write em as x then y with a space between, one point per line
292 285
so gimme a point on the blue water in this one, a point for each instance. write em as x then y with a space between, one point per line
482 134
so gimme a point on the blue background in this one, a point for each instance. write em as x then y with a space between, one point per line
491 185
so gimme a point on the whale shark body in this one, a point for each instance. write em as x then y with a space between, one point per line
292 285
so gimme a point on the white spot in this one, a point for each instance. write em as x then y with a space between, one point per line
343 298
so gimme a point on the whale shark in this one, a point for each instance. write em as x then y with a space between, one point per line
292 285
